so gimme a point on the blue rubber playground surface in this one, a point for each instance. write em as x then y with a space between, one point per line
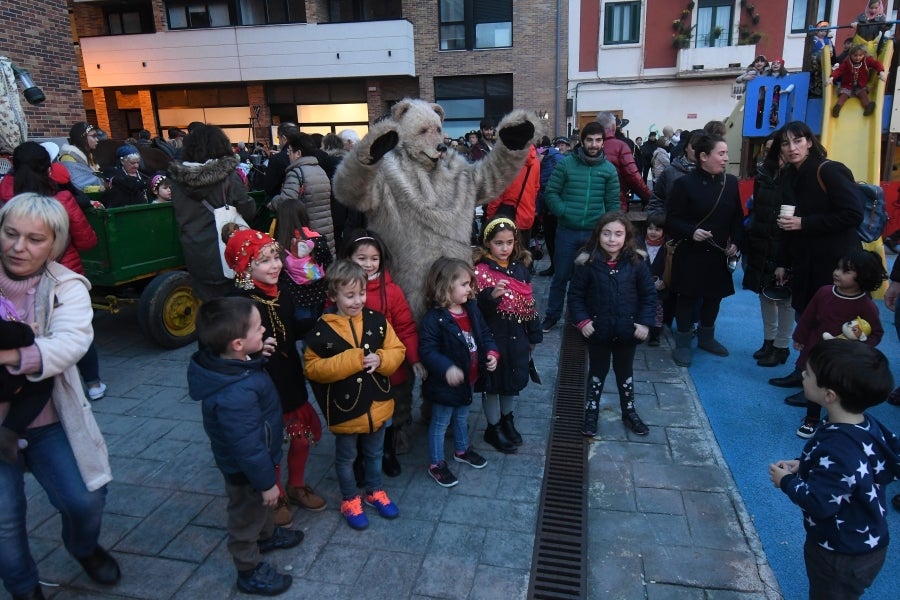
754 427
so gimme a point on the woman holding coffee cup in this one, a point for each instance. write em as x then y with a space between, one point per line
823 225
762 241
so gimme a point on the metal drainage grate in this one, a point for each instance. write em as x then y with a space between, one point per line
557 570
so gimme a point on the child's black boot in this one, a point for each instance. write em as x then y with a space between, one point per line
390 466
494 436
507 424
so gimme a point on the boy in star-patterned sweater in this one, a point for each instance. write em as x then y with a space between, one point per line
839 481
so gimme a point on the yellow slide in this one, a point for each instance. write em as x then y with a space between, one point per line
853 139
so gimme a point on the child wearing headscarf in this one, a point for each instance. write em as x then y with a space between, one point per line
256 260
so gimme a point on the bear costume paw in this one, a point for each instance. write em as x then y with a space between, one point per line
382 145
516 137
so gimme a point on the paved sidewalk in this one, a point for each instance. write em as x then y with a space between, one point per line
665 519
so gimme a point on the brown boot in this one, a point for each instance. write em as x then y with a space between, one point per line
305 497
283 516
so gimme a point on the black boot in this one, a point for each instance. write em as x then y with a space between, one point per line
35 594
792 379
390 466
778 356
765 350
653 340
509 429
494 436
592 408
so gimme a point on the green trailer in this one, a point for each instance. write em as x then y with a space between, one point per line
138 251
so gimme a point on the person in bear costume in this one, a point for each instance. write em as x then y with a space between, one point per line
419 195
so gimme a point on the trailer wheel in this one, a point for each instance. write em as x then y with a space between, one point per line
167 312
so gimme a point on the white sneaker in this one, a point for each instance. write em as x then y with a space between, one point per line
97 392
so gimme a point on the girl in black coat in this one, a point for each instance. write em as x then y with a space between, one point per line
706 218
503 288
612 301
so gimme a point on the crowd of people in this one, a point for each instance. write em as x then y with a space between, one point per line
311 305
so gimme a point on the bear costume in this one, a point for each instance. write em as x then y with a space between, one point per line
419 195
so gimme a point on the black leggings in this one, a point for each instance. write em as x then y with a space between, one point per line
686 305
623 366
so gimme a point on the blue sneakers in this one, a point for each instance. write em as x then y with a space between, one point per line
353 511
379 499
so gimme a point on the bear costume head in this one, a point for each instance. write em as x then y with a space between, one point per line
420 126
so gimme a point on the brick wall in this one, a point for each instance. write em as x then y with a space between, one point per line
36 36
531 60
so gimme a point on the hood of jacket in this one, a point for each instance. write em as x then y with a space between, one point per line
208 373
198 175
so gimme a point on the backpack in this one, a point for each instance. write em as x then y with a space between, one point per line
874 211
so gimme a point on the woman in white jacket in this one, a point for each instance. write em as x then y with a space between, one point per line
62 447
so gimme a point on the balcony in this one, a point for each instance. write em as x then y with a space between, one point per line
260 53
703 62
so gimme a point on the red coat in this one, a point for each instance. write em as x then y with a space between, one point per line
527 183
391 302
619 154
845 72
81 236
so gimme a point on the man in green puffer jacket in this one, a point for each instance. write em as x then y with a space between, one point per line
583 186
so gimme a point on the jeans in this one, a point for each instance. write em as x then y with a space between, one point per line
49 457
568 243
441 417
345 453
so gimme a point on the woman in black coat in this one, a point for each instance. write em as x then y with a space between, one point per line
761 245
705 218
823 229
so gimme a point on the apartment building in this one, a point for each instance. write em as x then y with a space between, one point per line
673 62
248 65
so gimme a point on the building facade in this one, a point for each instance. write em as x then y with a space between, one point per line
674 62
248 65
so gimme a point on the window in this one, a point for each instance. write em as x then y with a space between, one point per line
798 16
268 12
354 11
189 15
714 23
475 24
136 19
467 100
622 23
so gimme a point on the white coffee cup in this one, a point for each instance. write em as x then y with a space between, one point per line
787 210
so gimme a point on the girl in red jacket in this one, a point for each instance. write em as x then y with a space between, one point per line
366 249
31 173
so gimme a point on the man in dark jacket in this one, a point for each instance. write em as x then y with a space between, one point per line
583 186
279 161
647 150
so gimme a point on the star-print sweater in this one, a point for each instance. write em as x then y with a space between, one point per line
840 485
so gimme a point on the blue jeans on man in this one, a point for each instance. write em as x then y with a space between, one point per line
568 243
50 459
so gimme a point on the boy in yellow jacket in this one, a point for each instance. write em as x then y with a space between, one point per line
351 353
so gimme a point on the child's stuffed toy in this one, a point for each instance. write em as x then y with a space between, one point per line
857 329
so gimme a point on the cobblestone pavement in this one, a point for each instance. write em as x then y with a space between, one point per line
665 519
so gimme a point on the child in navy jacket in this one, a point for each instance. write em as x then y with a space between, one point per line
242 417
457 349
840 479
612 301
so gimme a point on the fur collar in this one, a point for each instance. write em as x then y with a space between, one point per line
212 171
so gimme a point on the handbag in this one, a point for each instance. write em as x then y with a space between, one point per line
224 215
672 245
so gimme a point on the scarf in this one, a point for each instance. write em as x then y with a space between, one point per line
517 304
591 161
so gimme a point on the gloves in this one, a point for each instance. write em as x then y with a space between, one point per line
383 145
516 137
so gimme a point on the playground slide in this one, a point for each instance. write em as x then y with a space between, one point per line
852 138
